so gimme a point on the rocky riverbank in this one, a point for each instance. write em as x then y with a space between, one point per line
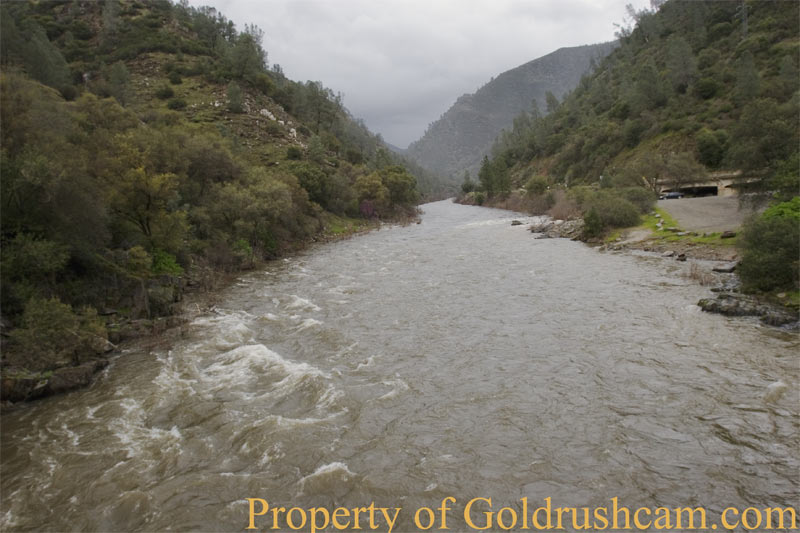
153 318
727 301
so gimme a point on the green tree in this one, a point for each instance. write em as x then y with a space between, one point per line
119 81
770 246
681 63
747 78
235 98
552 101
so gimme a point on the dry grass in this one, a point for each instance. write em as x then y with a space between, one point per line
565 208
700 275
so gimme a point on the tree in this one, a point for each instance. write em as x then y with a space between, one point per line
747 78
235 100
681 63
789 77
770 247
118 80
551 100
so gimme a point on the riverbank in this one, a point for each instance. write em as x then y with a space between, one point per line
194 293
711 259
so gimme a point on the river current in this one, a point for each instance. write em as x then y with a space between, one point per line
457 357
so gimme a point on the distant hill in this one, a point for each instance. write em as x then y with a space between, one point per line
695 89
464 134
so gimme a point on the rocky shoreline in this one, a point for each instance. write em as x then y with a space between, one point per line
728 301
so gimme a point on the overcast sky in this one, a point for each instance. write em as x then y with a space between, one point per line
400 64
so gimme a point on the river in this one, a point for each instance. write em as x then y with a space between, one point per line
457 357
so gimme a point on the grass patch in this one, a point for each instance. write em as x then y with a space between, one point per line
613 236
715 239
651 223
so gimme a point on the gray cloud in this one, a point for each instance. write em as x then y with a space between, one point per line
401 63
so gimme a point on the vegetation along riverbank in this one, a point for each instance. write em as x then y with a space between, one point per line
147 150
699 99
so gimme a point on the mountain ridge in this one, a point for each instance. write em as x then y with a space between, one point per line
459 139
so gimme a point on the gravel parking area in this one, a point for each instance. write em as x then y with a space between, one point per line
708 214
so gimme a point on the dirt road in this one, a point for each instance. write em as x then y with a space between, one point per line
707 214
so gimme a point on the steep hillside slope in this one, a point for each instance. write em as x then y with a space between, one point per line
147 146
695 88
463 135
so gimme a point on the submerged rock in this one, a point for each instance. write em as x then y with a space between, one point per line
730 304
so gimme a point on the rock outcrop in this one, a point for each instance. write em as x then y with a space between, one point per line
735 304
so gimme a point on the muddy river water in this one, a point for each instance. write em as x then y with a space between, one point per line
458 357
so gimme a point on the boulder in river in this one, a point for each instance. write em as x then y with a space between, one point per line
732 304
727 268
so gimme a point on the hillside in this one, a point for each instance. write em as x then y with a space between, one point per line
457 141
147 146
695 88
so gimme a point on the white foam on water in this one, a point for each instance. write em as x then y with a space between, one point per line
308 323
236 369
74 437
335 468
302 303
398 386
227 330
775 391
134 435
369 362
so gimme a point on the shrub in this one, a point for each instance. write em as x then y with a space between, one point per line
165 263
710 147
564 208
606 209
592 224
176 103
480 198
164 92
294 153
175 78
235 98
52 335
643 199
536 185
770 246
706 88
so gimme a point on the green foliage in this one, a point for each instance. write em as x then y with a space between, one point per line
650 109
235 98
467 186
643 199
118 81
711 147
97 199
706 88
770 246
537 185
593 225
164 92
176 104
52 335
165 263
609 208
294 153
785 182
